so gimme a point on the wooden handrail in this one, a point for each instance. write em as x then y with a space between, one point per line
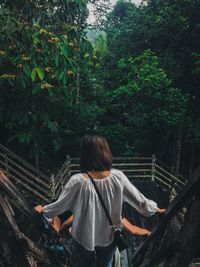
30 189
9 152
34 182
134 167
187 192
33 177
167 173
24 179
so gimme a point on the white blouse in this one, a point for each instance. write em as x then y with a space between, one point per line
90 226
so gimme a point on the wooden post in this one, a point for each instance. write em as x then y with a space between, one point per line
153 168
6 161
69 160
67 175
52 187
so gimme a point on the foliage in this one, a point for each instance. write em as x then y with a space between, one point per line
39 79
164 27
148 84
136 82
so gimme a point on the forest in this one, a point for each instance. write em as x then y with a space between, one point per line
132 77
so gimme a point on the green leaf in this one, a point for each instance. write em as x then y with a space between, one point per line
35 40
57 59
57 143
52 127
36 88
60 77
73 66
50 92
11 82
65 79
27 70
64 51
33 74
37 71
40 73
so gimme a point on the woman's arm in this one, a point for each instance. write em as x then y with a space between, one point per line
136 199
66 199
160 211
39 208
133 229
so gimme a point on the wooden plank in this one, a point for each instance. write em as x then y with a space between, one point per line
27 180
132 158
168 185
139 176
65 180
119 164
124 170
165 166
187 193
65 167
15 252
28 173
57 182
168 179
120 158
175 178
29 188
9 152
132 164
136 170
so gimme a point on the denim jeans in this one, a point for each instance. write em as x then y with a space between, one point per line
101 257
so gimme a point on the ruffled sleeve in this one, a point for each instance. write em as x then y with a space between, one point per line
136 199
66 199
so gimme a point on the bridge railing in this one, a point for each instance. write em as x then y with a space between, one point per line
35 184
143 168
31 182
61 178
170 234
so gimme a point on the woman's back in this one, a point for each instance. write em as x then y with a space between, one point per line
91 226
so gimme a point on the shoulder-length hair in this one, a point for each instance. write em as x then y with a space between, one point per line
95 154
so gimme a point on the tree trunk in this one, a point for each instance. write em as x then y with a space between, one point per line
191 162
36 152
78 84
163 150
176 155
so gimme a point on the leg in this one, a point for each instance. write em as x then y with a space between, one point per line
85 257
105 255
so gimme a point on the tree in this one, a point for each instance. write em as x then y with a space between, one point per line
165 27
146 103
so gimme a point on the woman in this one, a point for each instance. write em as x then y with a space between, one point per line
91 230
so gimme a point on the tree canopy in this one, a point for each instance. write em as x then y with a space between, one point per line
134 81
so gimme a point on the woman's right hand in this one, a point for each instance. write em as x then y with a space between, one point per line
160 211
133 229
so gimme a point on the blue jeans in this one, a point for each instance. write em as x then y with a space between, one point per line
101 257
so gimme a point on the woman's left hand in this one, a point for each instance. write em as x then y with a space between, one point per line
39 208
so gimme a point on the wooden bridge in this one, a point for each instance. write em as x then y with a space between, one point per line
36 185
173 242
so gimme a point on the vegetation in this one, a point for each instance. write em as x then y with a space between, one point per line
136 81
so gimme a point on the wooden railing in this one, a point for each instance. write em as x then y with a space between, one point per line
170 242
39 186
31 182
143 168
42 189
61 178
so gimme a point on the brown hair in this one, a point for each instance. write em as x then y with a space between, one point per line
95 154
